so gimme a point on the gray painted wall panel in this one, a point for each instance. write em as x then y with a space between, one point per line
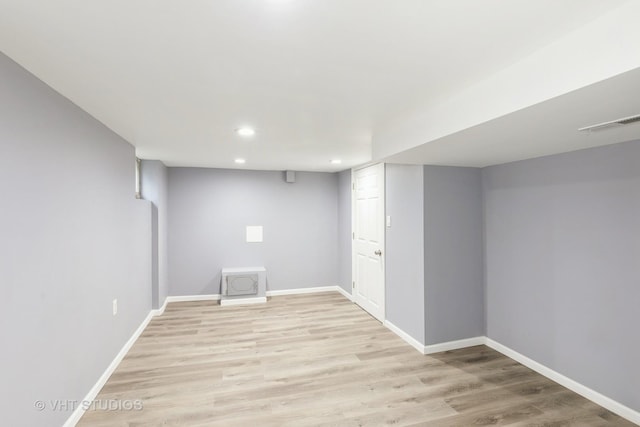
404 249
154 180
344 230
73 239
562 251
210 208
453 255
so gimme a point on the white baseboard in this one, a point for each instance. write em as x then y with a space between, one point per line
80 410
433 348
405 336
346 294
91 395
602 400
160 311
189 298
301 291
453 345
274 293
243 301
216 297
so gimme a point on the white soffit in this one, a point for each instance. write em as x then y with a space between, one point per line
547 128
602 49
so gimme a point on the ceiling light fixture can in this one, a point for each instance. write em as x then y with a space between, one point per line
245 131
240 161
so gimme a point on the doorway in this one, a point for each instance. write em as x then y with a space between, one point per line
368 186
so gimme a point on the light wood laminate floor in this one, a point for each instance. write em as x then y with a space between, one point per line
318 359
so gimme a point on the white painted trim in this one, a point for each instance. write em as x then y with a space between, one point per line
301 291
216 297
602 400
346 294
352 193
433 348
189 298
594 396
80 410
453 345
243 301
160 311
405 336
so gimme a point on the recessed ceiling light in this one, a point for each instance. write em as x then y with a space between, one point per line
240 161
245 131
336 161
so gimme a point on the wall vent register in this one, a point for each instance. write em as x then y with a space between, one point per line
244 285
241 284
612 123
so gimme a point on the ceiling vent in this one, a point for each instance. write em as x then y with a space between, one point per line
613 123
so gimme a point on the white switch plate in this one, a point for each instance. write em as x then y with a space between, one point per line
115 306
254 233
388 220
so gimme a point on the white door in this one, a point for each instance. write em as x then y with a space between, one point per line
368 239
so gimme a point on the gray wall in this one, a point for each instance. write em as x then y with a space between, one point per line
210 208
404 249
453 254
73 239
562 270
344 230
154 180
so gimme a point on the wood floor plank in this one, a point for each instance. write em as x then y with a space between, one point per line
318 360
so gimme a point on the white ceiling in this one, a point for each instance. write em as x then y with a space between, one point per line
313 77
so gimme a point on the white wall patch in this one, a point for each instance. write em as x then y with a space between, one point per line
254 233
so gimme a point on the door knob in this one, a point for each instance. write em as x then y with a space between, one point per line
378 252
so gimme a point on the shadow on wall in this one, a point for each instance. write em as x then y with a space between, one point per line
213 286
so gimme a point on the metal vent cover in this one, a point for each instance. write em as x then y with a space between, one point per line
613 123
242 284
630 120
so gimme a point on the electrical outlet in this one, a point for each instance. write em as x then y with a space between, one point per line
115 306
